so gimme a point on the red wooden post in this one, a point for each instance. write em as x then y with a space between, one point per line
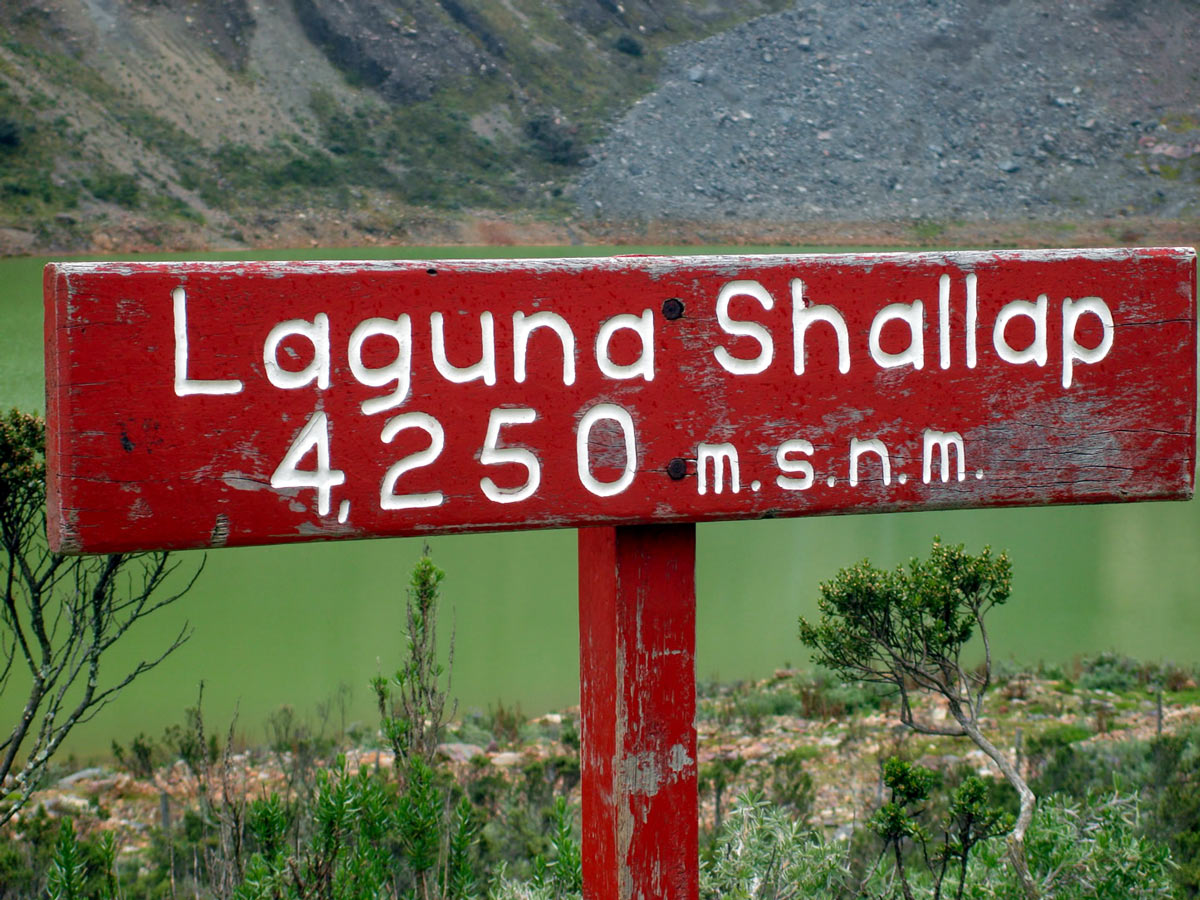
637 627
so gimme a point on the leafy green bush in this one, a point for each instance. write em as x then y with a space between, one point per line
1174 781
1086 849
10 134
824 695
932 842
1082 850
82 870
908 629
347 853
555 139
789 786
141 758
761 852
116 187
1046 743
25 855
1110 671
629 45
562 870
1057 736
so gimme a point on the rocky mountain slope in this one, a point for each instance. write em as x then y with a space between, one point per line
238 117
932 110
129 124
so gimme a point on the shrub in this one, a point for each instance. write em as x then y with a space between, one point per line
82 869
348 850
1175 784
141 757
908 629
1110 672
555 139
629 45
1045 743
92 602
790 787
761 852
1082 850
10 134
115 187
823 695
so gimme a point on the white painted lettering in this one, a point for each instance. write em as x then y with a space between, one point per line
911 314
1035 312
972 317
739 328
787 464
873 445
493 454
719 455
484 369
1073 351
583 457
183 384
944 321
643 327
316 333
803 316
943 441
388 498
288 474
398 371
524 326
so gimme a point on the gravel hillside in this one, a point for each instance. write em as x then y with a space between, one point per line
934 110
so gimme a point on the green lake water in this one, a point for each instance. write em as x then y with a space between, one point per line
288 625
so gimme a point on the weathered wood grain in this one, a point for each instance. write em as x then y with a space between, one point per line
156 444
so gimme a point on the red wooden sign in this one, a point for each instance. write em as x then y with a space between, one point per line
211 404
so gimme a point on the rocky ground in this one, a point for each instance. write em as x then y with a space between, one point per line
842 753
316 227
932 110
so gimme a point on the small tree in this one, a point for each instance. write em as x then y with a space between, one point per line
414 714
969 821
436 837
909 628
60 616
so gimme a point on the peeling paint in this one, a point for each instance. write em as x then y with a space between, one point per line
240 481
678 758
220 531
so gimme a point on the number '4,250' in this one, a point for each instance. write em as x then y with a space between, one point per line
314 437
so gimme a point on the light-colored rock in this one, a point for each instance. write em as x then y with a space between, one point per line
459 753
82 775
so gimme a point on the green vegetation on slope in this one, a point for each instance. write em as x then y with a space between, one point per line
504 134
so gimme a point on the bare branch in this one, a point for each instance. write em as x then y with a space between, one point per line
61 615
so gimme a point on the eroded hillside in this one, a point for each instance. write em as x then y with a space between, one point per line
920 111
136 124
229 120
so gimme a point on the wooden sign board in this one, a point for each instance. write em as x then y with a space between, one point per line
213 404
204 404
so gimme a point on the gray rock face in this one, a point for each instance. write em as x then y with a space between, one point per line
408 49
404 53
916 109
